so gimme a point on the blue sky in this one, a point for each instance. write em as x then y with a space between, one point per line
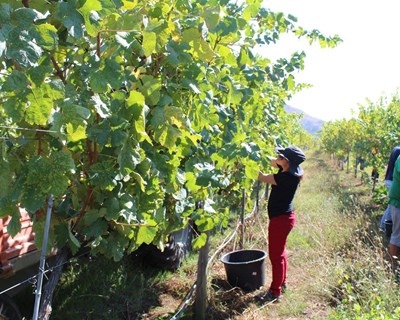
366 65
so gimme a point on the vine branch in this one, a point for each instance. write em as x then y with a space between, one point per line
59 72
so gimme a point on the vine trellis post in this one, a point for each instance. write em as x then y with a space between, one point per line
242 219
201 283
38 292
257 196
200 303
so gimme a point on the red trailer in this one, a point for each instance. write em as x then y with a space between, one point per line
19 260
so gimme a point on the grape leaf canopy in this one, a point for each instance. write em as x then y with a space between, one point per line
130 112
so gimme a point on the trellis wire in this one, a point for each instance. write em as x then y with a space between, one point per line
50 269
29 129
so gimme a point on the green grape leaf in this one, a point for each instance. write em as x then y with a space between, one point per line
114 246
5 13
136 103
150 88
227 55
15 82
112 72
129 5
149 42
75 132
108 77
200 241
7 207
22 47
118 137
61 234
146 234
39 107
58 178
140 180
227 27
91 16
39 228
97 228
38 74
71 18
112 209
251 169
33 198
90 216
25 16
166 122
101 108
100 133
205 224
48 38
200 48
98 82
14 225
167 136
251 11
289 83
102 174
191 182
63 162
129 157
73 242
211 17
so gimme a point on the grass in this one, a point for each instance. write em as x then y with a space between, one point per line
338 266
351 272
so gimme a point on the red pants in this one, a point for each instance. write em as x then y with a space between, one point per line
278 231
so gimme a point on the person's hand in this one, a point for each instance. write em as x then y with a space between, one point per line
273 163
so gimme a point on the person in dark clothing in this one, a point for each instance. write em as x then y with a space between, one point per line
281 214
394 207
388 182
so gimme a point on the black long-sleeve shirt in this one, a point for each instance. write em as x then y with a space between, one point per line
282 194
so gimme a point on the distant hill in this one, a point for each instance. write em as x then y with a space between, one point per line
310 124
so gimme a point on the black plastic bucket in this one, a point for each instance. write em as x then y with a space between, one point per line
245 268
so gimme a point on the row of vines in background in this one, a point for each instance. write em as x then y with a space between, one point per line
367 140
131 112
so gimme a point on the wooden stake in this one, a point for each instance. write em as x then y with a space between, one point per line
200 306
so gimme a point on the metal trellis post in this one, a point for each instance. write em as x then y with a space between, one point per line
242 218
38 292
257 195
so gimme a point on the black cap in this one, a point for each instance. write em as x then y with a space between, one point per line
295 156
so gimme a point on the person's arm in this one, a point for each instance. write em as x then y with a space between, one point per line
267 178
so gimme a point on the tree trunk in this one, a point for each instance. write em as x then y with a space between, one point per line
45 308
